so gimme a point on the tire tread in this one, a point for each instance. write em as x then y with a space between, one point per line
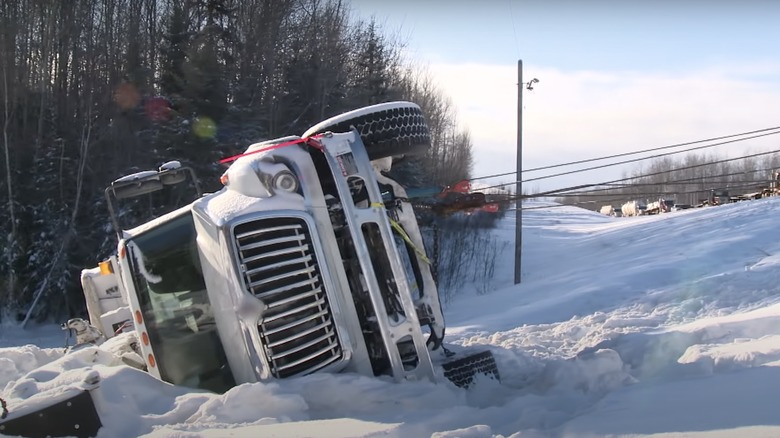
388 132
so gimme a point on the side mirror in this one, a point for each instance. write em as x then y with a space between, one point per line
137 184
171 173
173 176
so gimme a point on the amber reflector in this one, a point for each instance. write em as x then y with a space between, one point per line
105 268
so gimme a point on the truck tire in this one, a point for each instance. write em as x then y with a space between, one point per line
386 129
462 371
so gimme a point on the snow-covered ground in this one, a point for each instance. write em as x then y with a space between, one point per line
654 326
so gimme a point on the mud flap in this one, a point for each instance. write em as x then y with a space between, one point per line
73 415
462 371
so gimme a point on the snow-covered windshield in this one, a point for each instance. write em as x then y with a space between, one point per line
172 294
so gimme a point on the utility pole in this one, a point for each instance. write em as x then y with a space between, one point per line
519 184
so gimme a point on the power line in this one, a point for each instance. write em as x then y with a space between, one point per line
585 202
563 191
691 180
620 200
585 186
617 197
645 158
660 148
514 30
703 187
687 167
636 152
621 197
659 193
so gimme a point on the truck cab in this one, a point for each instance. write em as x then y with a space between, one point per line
309 259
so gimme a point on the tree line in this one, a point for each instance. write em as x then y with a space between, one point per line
688 179
94 89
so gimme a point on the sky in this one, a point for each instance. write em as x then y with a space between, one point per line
674 335
614 76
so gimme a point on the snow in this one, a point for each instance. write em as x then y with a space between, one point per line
229 204
661 326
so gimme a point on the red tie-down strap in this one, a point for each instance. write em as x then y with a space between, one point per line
311 141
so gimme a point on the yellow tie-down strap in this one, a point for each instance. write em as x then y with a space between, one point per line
399 229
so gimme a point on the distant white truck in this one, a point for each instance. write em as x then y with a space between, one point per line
660 206
608 210
633 208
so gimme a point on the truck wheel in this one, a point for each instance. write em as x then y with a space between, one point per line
386 129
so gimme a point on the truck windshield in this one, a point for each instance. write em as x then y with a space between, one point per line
177 312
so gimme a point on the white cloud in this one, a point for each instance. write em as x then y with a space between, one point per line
572 115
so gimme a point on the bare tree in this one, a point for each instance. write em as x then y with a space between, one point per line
91 89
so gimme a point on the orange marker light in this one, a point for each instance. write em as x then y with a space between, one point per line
138 317
145 338
105 267
150 360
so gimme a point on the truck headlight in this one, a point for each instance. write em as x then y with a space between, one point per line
285 181
259 178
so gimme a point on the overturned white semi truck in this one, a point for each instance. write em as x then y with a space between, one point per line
309 260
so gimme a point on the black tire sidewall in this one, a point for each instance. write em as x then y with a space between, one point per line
386 130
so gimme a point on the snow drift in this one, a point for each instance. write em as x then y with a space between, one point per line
661 325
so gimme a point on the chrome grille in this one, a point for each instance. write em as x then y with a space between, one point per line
279 267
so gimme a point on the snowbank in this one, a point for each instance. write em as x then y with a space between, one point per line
653 326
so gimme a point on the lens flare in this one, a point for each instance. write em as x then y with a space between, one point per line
126 96
204 127
158 109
